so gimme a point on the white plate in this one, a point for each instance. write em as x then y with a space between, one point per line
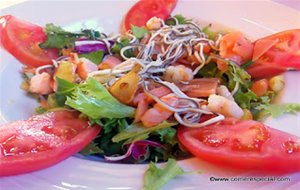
255 18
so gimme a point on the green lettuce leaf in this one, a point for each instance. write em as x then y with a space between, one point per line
167 135
93 99
95 57
91 148
64 87
114 125
276 110
244 99
59 38
181 20
116 48
138 32
137 131
211 34
155 177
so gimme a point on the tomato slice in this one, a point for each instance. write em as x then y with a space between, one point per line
278 50
243 144
22 40
143 10
42 141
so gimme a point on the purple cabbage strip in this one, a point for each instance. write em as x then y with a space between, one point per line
88 46
136 149
140 148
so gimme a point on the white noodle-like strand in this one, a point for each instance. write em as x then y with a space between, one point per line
38 70
197 125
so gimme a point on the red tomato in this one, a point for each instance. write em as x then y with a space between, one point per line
261 70
42 141
278 50
22 40
143 10
243 144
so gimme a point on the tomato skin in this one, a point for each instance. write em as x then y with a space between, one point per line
247 145
143 10
42 141
260 70
22 40
278 50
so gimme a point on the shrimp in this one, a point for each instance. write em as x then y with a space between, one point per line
153 23
178 73
222 105
41 84
223 91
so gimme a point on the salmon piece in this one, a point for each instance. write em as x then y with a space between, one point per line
109 62
152 117
85 67
235 46
140 110
200 87
158 92
41 84
139 97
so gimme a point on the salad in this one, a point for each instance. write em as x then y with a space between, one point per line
164 89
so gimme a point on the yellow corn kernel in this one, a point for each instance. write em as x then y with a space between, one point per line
276 83
247 115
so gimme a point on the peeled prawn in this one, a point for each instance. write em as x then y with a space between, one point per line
178 73
41 84
224 106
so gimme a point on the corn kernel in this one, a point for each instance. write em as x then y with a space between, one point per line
247 115
276 83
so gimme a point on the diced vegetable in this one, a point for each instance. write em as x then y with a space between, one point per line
66 71
124 88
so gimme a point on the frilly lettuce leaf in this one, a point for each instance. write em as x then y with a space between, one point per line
93 99
155 177
276 110
137 131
